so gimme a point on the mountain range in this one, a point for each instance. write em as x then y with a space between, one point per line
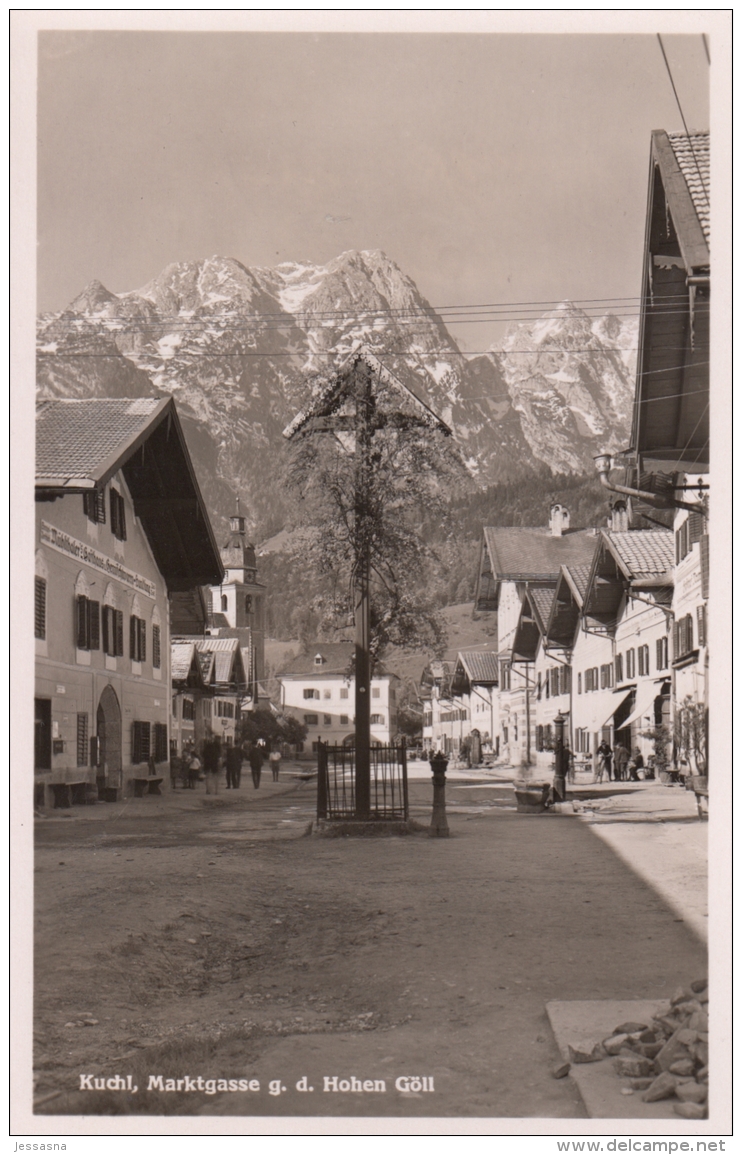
238 348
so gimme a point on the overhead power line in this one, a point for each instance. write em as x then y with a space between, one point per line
682 117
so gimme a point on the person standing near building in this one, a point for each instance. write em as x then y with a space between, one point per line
275 760
620 761
255 757
234 767
605 754
212 757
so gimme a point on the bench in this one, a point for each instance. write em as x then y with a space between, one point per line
148 785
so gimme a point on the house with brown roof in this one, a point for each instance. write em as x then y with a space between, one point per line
515 561
122 538
318 688
474 682
217 709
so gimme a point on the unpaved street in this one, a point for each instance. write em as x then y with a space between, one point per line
210 937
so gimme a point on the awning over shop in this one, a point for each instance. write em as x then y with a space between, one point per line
644 700
620 699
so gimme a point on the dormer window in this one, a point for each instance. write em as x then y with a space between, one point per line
318 660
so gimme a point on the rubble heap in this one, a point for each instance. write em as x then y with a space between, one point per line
668 1057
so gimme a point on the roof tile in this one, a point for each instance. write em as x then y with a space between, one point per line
534 552
73 437
693 154
644 552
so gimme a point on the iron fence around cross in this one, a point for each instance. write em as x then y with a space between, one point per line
336 782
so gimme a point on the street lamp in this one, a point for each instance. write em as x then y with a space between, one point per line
561 756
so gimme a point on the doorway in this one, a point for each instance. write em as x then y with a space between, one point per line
108 725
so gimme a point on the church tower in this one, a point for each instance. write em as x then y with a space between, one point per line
238 604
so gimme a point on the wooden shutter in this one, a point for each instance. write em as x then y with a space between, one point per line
142 639
39 618
161 747
695 527
82 739
118 616
106 630
94 625
619 668
81 622
140 741
156 647
133 639
659 653
705 566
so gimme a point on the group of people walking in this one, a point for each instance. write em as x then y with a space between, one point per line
217 757
618 764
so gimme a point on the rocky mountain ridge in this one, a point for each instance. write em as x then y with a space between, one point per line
238 348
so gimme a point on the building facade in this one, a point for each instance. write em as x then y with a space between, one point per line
114 489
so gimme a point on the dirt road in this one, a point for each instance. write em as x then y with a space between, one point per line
211 938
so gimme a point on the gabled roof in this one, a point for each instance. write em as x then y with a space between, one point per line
81 444
184 664
643 552
577 577
641 558
542 601
220 659
529 554
334 392
692 155
336 658
474 667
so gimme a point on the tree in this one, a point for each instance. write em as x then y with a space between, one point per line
271 728
412 472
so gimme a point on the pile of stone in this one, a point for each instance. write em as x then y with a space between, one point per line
668 1057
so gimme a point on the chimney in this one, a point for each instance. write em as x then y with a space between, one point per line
620 516
558 520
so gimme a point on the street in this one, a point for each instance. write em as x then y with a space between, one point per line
208 936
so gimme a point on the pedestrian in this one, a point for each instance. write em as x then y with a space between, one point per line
194 768
255 758
620 761
275 760
212 757
636 764
605 754
234 767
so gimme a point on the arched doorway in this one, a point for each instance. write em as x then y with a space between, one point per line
108 724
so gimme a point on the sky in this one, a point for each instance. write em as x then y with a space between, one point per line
491 168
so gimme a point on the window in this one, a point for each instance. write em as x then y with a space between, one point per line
375 692
225 603
94 505
619 668
579 683
505 674
343 691
327 719
662 653
589 687
118 515
538 686
565 679
137 639
327 693
701 622
547 684
311 719
156 654
554 679
113 632
582 741
643 661
248 603
224 709
140 735
539 738
189 710
606 676
683 636
87 624
630 664
377 719
207 707
161 744
39 609
82 739
311 693
343 719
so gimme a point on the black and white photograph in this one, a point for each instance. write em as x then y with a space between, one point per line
379 663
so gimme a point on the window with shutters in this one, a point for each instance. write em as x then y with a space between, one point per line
643 661
539 738
162 752
308 693
565 679
137 639
547 684
94 505
87 623
343 691
327 719
189 709
579 683
344 720
661 653
39 609
82 739
375 692
140 741
618 662
118 515
377 719
701 623
630 664
684 636
112 621
156 654
554 679
606 676
311 719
